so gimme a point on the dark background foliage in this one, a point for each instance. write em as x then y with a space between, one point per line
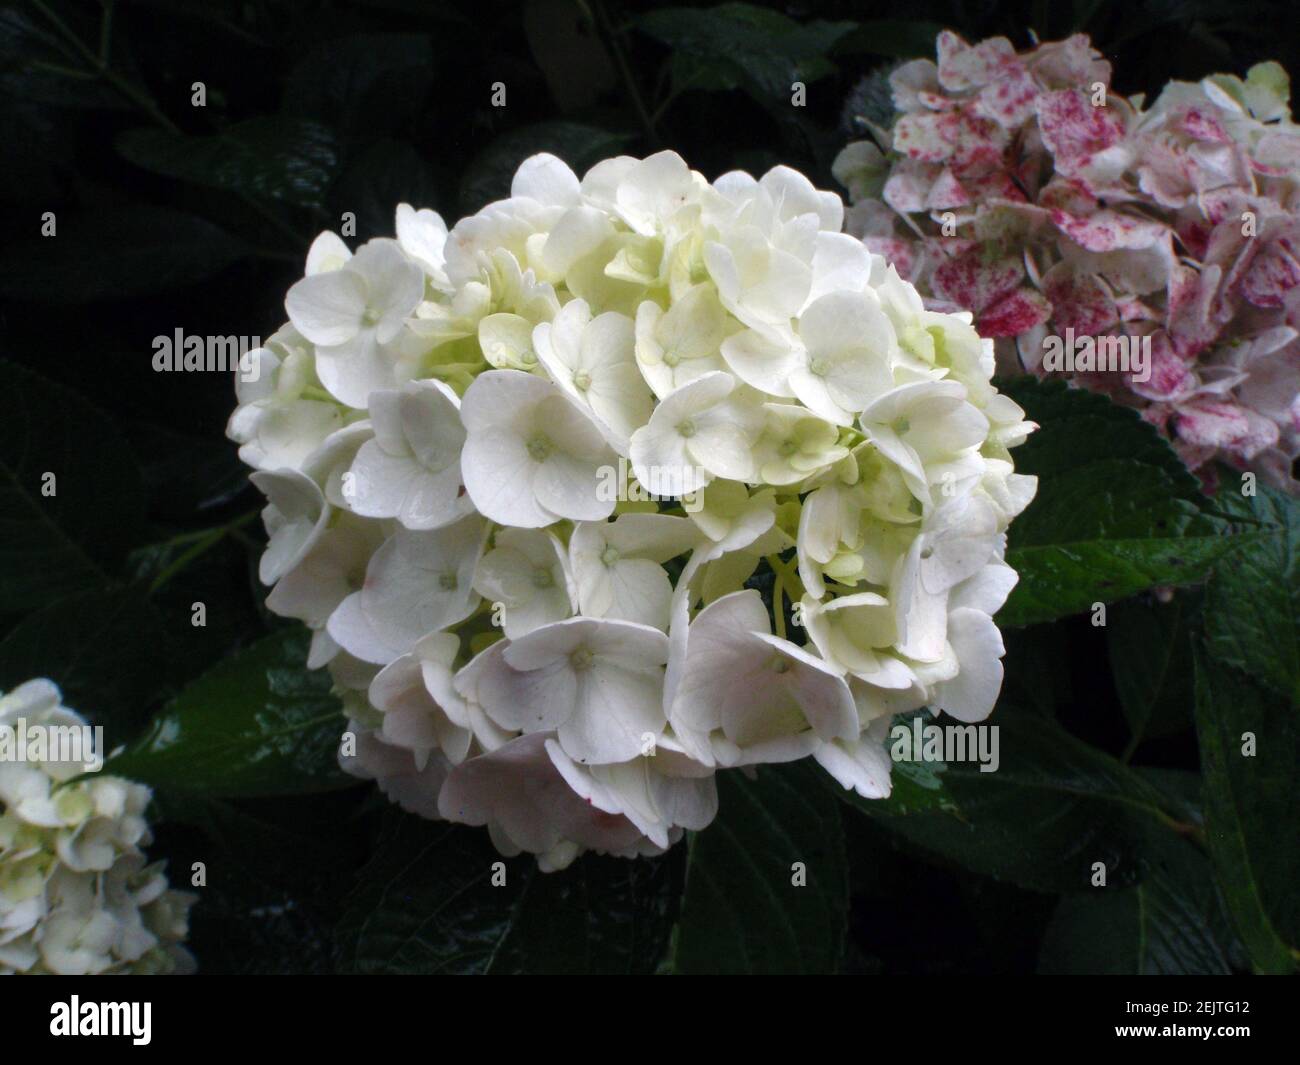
171 216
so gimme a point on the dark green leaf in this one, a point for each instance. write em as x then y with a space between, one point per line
215 569
1078 427
738 44
271 157
916 785
574 61
39 65
896 38
1252 608
1116 513
426 904
1182 791
276 871
185 473
279 842
1102 533
1033 674
390 172
114 253
743 911
1151 661
1052 808
1252 807
107 650
40 151
1172 923
363 84
70 539
871 103
248 929
259 723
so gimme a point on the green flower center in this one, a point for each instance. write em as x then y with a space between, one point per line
539 447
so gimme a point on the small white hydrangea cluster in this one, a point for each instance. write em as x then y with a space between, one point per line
76 894
519 474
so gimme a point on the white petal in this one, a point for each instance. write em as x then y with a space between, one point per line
763 362
546 179
296 516
616 709
353 370
327 308
863 767
978 645
327 252
987 590
498 474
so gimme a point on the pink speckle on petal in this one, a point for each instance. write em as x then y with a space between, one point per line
1108 216
1169 379
1203 126
896 251
962 66
1273 274
946 193
1074 131
975 281
907 189
1014 314
921 137
1009 101
1080 302
1218 424
1109 230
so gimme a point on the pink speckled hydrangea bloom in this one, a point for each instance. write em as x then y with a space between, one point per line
1016 184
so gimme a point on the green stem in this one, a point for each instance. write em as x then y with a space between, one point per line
1193 833
595 12
65 72
778 606
105 33
788 577
205 540
100 67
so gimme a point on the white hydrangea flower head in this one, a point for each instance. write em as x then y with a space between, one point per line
521 471
77 895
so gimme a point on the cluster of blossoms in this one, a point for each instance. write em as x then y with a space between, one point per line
76 894
520 473
1017 185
